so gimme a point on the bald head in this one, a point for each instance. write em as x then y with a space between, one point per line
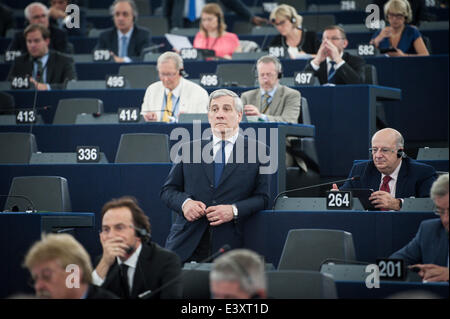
385 146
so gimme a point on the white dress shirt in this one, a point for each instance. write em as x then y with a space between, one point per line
393 182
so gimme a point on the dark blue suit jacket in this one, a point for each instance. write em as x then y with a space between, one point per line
429 246
414 178
241 184
140 39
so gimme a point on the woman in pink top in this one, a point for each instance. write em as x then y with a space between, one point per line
212 34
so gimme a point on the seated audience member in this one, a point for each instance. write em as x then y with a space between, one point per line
59 18
37 13
53 261
125 39
271 102
404 38
6 20
428 251
238 274
391 173
185 13
173 94
48 69
418 9
213 34
332 64
293 37
131 264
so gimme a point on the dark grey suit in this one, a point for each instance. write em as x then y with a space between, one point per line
140 39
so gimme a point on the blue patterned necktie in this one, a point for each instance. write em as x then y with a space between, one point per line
124 47
191 11
219 164
332 72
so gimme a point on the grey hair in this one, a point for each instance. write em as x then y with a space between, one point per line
175 57
439 187
270 59
399 140
132 4
238 105
27 10
242 265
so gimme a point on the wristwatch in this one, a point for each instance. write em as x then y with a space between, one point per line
235 212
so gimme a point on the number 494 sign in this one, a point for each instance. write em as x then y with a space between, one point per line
339 200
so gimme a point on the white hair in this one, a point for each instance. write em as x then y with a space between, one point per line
28 8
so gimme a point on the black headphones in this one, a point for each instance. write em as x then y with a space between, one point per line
401 153
183 73
143 234
273 59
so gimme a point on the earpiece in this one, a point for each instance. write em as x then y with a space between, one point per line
142 234
183 73
401 153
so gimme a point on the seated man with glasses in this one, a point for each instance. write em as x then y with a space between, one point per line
391 173
166 99
331 64
427 252
132 266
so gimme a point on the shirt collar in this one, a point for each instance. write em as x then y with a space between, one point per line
43 59
271 93
132 260
176 91
128 34
231 139
394 174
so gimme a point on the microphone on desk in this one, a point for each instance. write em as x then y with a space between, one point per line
149 294
15 208
354 178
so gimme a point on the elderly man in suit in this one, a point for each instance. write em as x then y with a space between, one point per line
391 173
331 64
166 99
47 69
428 250
125 39
215 184
37 13
131 264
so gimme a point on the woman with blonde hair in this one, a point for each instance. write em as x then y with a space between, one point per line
404 39
293 37
213 34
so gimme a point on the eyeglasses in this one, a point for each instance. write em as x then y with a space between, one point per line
278 23
333 39
440 211
383 150
39 17
396 16
45 275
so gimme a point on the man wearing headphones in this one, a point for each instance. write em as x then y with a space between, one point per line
173 94
238 274
125 39
391 173
272 102
131 264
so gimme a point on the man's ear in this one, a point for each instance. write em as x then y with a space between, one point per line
345 43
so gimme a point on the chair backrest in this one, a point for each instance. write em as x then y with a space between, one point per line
82 58
264 30
299 5
297 284
248 55
242 27
370 74
67 110
305 117
144 7
195 283
150 57
191 117
7 103
139 76
430 154
16 148
236 74
187 32
94 32
156 24
86 85
47 193
306 249
60 158
143 148
318 22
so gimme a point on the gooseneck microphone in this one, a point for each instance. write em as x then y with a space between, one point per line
354 178
15 208
149 294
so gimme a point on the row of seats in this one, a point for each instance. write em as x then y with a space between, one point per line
21 148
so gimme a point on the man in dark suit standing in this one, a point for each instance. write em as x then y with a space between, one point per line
391 173
126 39
428 251
131 264
47 69
333 65
215 184
37 13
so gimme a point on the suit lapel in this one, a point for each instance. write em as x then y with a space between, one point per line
275 101
401 179
323 72
139 278
115 41
208 168
50 68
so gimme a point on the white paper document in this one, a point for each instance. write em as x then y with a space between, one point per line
178 42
